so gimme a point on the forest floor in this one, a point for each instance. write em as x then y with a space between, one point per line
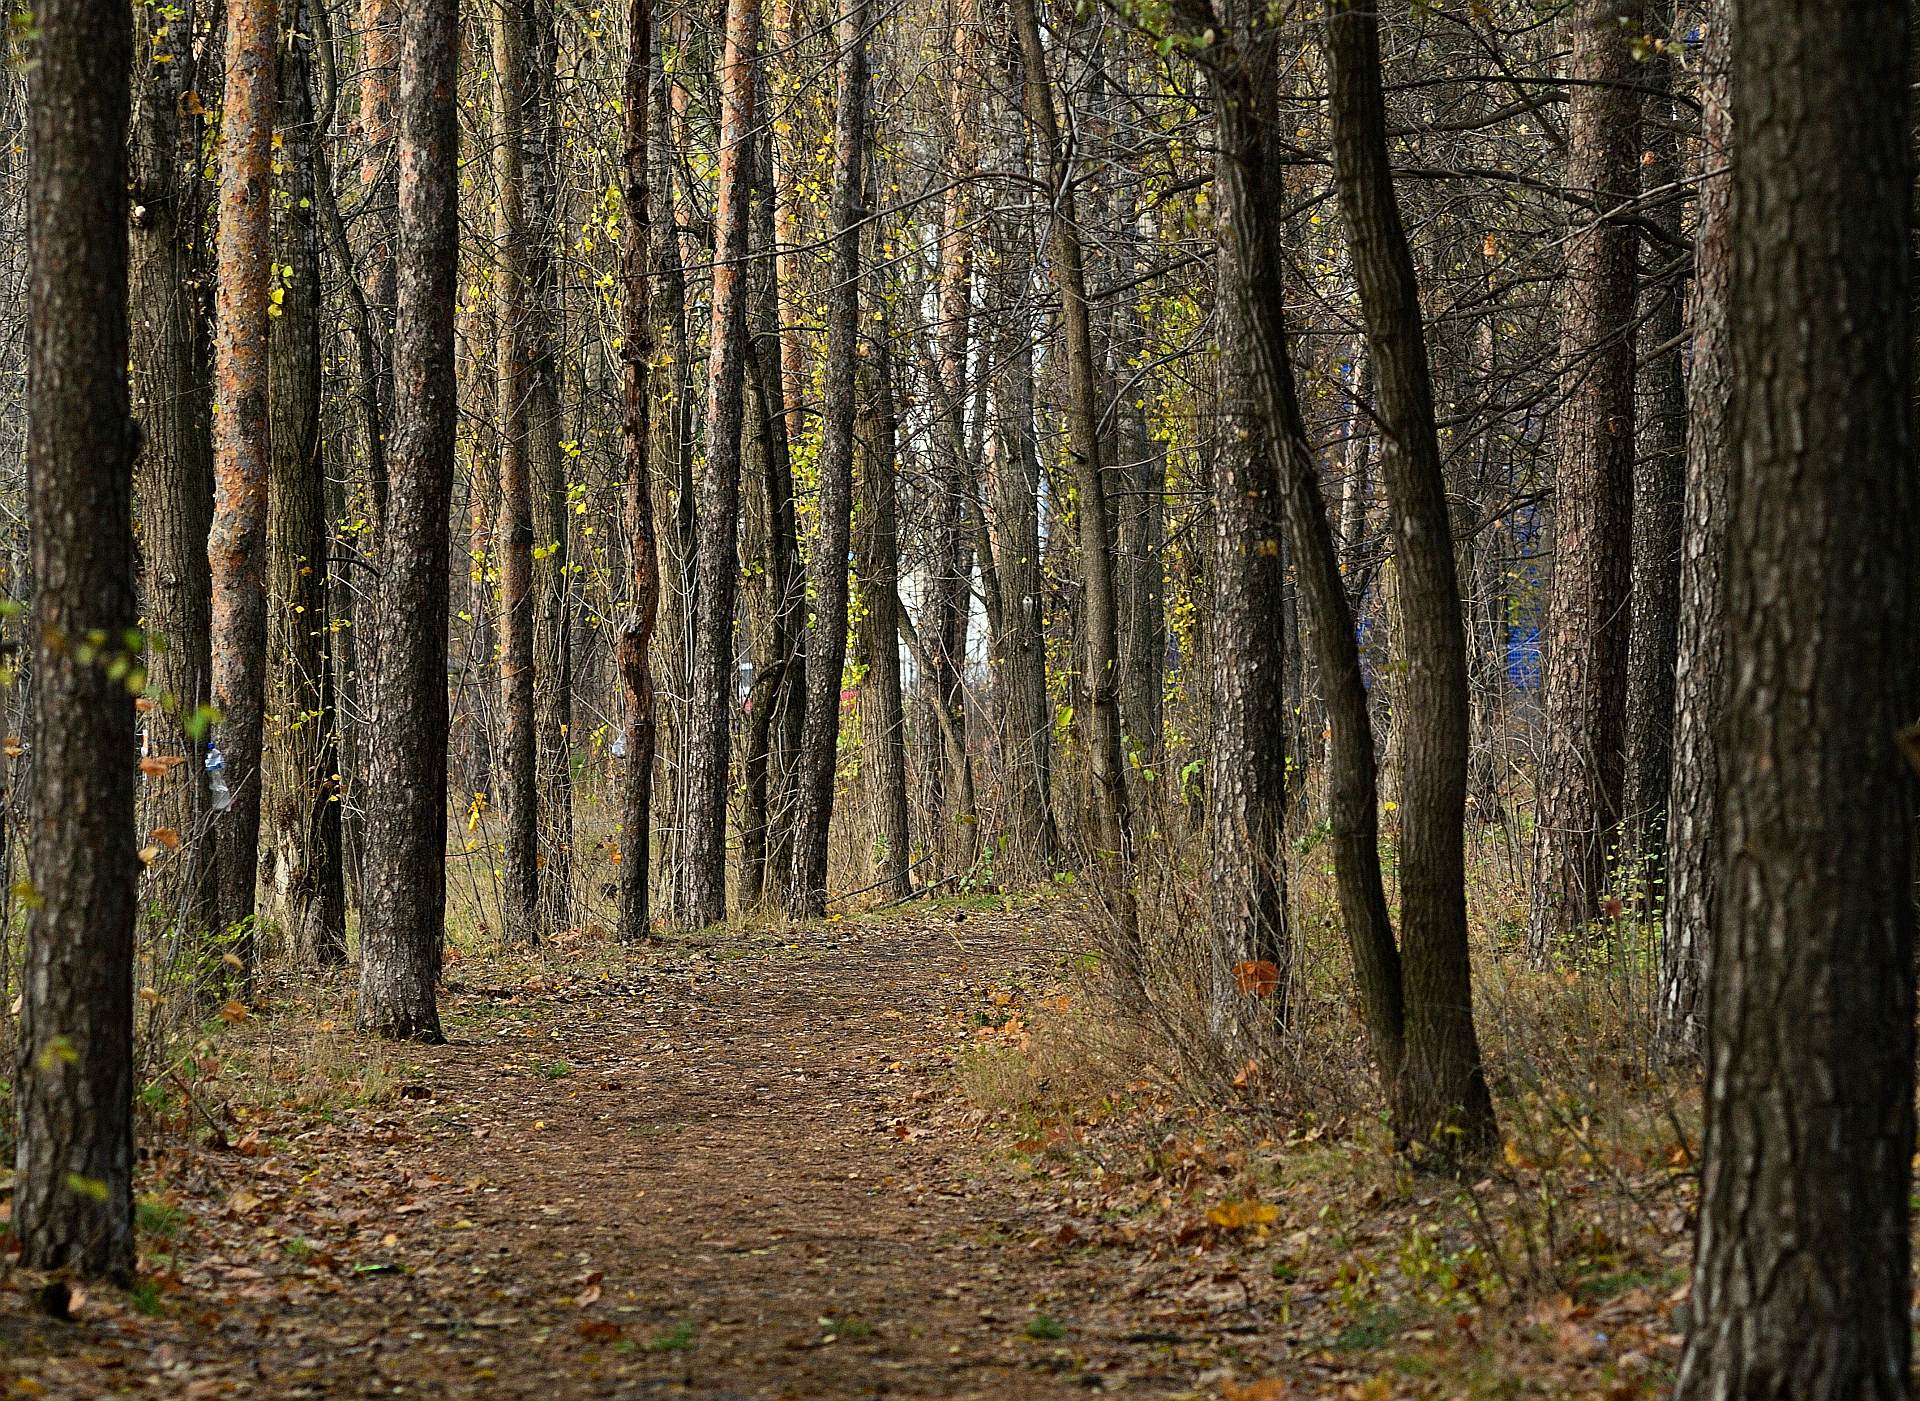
767 1164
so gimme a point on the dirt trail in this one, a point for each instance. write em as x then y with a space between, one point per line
740 1172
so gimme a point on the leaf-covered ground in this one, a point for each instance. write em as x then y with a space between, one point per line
745 1167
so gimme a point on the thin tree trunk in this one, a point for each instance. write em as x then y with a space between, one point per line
513 535
1693 805
174 471
302 848
637 328
237 548
1441 1104
73 1086
827 568
1110 817
1659 488
883 727
703 901
403 919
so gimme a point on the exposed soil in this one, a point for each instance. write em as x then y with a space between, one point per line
737 1171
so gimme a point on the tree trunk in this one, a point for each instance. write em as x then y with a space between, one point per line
883 727
827 566
1109 813
1250 187
637 349
703 901
237 548
1441 1104
1247 782
1802 1285
1582 763
174 470
547 482
1659 484
73 1087
301 855
513 536
1693 805
403 919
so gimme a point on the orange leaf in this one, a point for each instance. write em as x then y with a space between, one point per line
1257 977
167 837
153 765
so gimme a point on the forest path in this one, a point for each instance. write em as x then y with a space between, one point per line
737 1170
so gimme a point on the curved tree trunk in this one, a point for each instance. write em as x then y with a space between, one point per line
1441 1103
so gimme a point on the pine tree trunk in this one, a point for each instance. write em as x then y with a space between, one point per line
637 327
73 1087
1582 763
1693 804
1802 1282
237 548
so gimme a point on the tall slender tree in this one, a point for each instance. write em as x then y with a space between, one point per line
513 536
827 567
237 548
1109 811
302 816
73 1088
1443 1102
403 915
703 900
1582 766
637 349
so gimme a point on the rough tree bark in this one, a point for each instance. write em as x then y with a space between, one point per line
173 474
403 916
703 899
300 855
1247 782
237 548
827 566
73 1087
1659 480
876 547
1693 805
513 535
1582 763
635 639
1801 1283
